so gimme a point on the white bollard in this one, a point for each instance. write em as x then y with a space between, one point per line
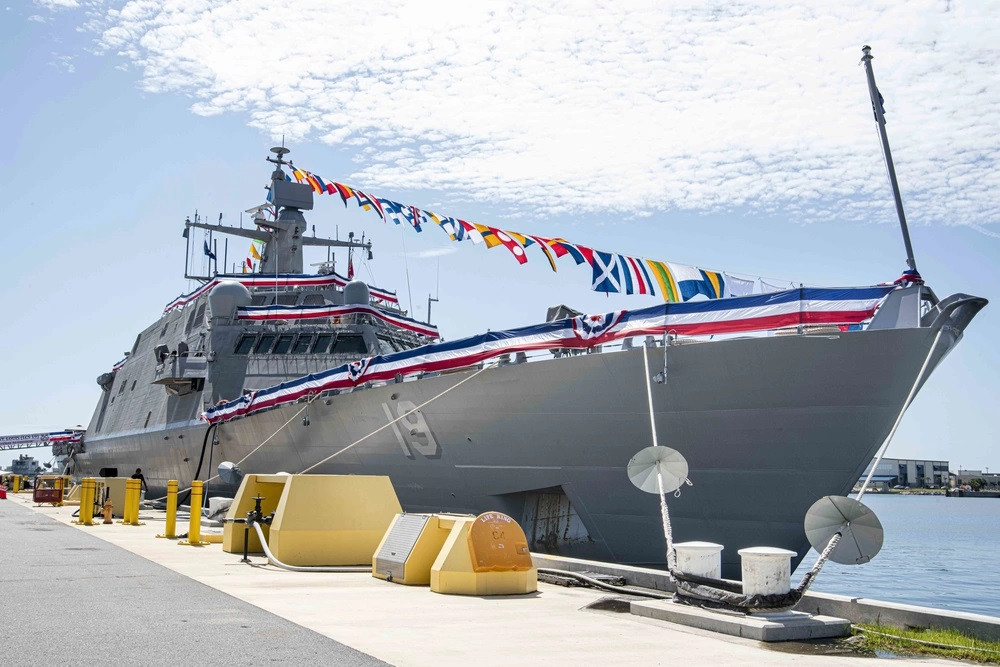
766 570
702 559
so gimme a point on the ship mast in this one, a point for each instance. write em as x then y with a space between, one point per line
880 118
285 235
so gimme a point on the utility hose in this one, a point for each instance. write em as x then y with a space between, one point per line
302 568
597 583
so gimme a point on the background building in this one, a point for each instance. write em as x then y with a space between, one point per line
911 473
963 477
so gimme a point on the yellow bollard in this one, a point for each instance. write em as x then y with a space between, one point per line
133 492
127 506
127 510
15 483
86 517
194 525
59 486
170 532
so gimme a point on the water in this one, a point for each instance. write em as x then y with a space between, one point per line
938 552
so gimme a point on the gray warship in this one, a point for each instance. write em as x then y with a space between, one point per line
768 421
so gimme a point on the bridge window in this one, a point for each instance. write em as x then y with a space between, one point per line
350 344
258 300
322 344
245 344
287 299
283 344
302 344
264 344
388 345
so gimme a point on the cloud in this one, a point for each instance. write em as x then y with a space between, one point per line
53 5
628 108
64 63
433 252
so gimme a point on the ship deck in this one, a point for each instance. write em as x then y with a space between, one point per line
80 595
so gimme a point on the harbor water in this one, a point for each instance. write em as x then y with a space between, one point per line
938 552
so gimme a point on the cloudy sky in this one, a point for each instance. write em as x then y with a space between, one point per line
733 136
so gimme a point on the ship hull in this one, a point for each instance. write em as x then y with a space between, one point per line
768 425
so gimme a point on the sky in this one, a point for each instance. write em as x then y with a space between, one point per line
732 136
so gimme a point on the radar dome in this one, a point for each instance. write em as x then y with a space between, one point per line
356 292
226 297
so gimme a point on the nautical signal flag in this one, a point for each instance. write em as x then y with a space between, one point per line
208 251
610 272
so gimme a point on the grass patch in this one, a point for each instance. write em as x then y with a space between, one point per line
945 643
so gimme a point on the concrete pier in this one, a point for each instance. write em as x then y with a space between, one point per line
76 594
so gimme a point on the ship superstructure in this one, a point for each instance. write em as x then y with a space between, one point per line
229 336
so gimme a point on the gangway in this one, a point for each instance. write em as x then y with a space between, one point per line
29 440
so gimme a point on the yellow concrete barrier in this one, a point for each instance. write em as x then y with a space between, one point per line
72 497
114 489
487 555
319 520
194 523
170 531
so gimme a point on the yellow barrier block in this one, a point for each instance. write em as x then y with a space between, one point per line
318 519
72 496
113 488
487 555
410 547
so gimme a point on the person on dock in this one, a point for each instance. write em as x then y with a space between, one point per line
138 475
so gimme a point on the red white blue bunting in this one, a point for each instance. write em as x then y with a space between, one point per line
844 307
264 313
279 280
